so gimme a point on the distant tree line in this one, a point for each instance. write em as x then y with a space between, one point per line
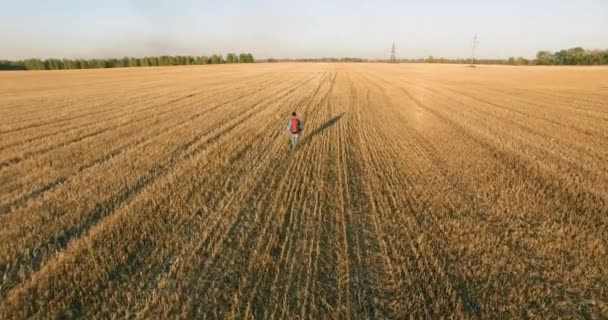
345 59
573 56
126 62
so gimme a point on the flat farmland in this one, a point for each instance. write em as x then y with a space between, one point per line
423 191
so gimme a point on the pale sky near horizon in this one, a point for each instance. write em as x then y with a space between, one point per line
298 29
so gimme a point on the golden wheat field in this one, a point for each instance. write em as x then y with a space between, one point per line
422 191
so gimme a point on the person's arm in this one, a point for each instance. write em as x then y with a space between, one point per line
300 126
288 125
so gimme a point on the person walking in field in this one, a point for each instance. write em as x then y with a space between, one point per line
294 127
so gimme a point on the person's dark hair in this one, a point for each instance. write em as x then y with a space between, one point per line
293 114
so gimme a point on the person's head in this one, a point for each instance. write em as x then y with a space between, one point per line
293 114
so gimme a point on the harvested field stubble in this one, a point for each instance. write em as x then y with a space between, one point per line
417 190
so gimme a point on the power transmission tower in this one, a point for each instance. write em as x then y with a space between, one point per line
393 54
475 44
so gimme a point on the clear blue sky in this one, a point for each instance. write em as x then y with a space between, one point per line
291 29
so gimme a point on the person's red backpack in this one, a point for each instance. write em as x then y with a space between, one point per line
296 125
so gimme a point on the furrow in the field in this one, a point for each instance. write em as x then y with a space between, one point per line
536 95
331 279
577 100
253 110
97 126
60 105
556 288
539 98
360 241
224 176
112 110
276 243
287 293
473 129
301 175
480 217
233 235
418 268
150 105
571 123
425 218
517 107
562 155
118 192
37 139
365 132
418 191
289 241
56 171
134 94
263 213
80 87
315 297
332 284
130 92
344 260
554 140
574 151
55 82
59 121
399 276
569 191
124 125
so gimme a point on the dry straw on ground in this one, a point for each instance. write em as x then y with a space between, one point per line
418 190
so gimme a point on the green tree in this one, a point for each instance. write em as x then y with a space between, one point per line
576 56
125 62
545 58
11 65
217 59
60 64
561 57
231 58
33 64
164 61
152 61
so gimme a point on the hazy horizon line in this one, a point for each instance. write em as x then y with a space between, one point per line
279 58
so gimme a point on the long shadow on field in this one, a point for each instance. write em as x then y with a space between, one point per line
308 139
